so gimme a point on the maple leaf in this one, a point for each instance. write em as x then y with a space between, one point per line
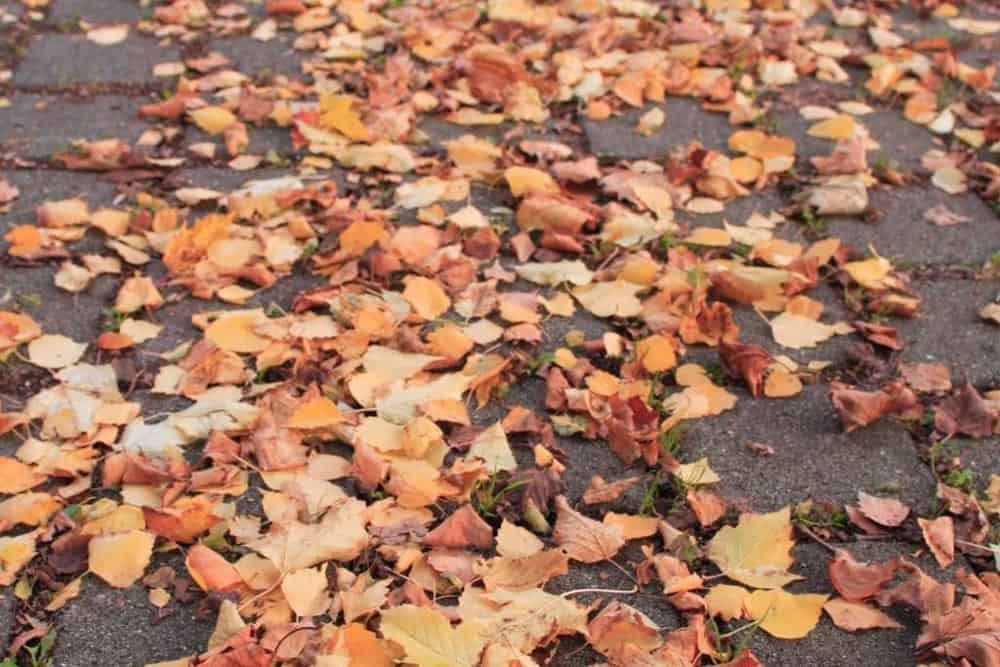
757 551
429 640
584 539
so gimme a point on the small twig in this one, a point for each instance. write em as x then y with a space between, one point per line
274 655
612 591
819 540
625 572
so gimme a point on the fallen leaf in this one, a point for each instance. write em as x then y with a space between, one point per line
584 539
883 511
108 35
306 591
858 581
428 638
786 615
757 551
941 216
55 351
854 616
120 559
939 535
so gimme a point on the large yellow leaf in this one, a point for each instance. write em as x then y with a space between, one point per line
122 558
428 638
338 115
756 552
786 615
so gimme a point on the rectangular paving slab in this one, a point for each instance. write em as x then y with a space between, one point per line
40 185
108 626
57 60
903 235
813 457
36 126
617 138
62 12
950 330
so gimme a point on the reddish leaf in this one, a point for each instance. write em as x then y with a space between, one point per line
858 581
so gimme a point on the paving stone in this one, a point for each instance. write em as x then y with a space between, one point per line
225 180
829 645
813 457
40 185
982 457
253 57
737 211
63 60
6 617
262 141
439 131
686 121
902 235
54 303
37 126
105 11
108 626
950 330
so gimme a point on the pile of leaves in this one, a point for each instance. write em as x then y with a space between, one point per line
396 522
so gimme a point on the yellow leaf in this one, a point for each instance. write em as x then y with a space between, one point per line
429 640
870 273
526 180
338 114
797 332
121 559
615 298
726 601
709 236
319 412
781 383
697 473
786 615
426 296
841 126
656 353
65 594
234 332
15 553
757 551
213 120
